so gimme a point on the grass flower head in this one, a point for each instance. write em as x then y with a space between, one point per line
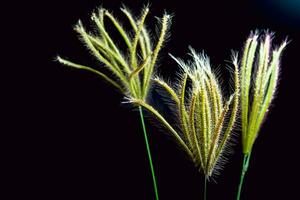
132 68
202 112
259 78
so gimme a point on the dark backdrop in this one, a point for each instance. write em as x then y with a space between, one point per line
73 139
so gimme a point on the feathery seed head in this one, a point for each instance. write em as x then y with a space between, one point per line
259 75
133 71
203 132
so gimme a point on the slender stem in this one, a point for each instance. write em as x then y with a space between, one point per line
205 188
243 173
149 153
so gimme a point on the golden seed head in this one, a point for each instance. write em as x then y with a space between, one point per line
131 68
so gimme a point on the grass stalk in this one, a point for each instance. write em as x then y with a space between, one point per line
149 153
243 173
205 188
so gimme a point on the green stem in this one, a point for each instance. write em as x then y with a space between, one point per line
243 173
149 153
205 188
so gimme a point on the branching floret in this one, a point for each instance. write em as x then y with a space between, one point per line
259 77
131 69
202 111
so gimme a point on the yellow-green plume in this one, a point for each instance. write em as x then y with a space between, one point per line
258 78
206 117
131 68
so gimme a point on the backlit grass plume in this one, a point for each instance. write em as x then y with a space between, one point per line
131 69
258 78
205 117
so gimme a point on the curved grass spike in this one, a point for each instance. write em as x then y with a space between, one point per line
259 75
131 68
203 131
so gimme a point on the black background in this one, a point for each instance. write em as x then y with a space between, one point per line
71 138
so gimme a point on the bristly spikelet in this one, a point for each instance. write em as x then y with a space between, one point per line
202 113
132 68
258 78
